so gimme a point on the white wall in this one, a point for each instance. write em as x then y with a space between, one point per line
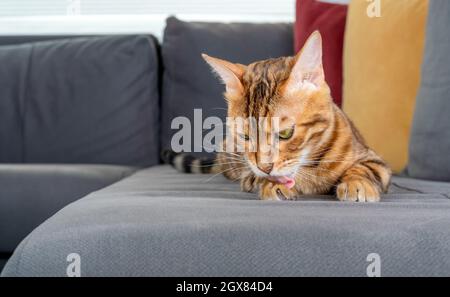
130 16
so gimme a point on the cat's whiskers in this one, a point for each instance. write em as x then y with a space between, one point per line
334 159
226 170
236 160
361 150
211 165
216 108
312 177
300 164
233 154
301 175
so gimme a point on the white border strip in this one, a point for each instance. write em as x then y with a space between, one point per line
114 24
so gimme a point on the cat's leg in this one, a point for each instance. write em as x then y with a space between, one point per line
249 183
274 191
364 182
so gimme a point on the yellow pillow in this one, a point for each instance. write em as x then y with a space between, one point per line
382 62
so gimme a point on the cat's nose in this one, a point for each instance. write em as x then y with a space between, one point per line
266 168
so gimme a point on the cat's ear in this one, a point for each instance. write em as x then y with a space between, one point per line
230 73
308 69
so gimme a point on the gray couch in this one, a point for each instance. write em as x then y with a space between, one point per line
76 115
157 222
79 152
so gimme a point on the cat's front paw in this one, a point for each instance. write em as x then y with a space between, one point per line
358 190
274 191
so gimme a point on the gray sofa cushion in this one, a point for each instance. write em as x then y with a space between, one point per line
161 223
20 39
429 148
13 74
82 100
29 194
187 80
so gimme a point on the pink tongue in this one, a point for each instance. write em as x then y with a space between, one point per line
287 181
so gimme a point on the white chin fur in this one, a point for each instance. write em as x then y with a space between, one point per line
308 86
303 159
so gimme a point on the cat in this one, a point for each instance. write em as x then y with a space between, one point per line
320 150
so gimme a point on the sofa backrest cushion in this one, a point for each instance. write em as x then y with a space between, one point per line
429 147
13 73
82 100
188 82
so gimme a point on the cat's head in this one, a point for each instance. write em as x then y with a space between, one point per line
290 89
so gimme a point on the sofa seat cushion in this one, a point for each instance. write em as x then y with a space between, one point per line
31 193
158 222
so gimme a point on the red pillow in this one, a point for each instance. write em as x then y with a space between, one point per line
329 19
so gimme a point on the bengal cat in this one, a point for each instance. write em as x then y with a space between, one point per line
320 150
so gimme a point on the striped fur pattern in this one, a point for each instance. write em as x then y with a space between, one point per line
187 163
325 153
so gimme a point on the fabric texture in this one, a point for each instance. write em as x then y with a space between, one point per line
53 94
429 146
329 19
382 59
21 39
188 82
158 222
13 74
31 193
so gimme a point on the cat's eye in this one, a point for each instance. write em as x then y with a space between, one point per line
286 134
